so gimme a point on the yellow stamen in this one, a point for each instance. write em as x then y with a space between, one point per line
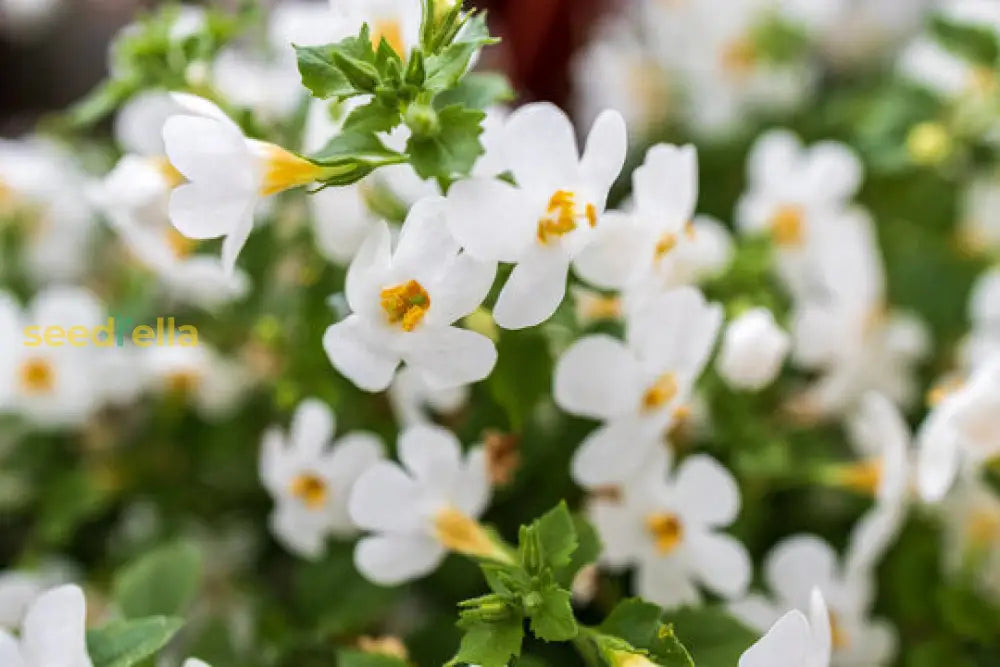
838 637
983 527
37 377
388 645
599 307
667 531
862 477
591 215
406 304
392 31
182 383
689 230
180 245
463 534
788 225
169 172
561 216
940 392
665 244
310 489
739 57
284 170
662 392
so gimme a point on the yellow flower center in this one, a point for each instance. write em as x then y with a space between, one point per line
388 645
739 57
463 534
180 245
660 393
600 307
838 637
983 527
862 477
169 172
182 383
940 392
37 377
406 304
6 193
310 489
561 216
665 244
284 170
392 31
666 529
788 225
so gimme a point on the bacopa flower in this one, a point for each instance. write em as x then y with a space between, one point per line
53 632
983 342
413 402
753 350
637 388
202 376
670 530
227 173
795 640
310 480
422 509
802 563
404 302
544 221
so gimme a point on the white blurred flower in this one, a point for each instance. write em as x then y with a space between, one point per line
412 400
53 633
27 18
637 388
420 510
794 640
970 521
404 302
195 662
228 175
963 430
549 217
980 223
670 530
200 375
802 563
983 341
19 588
753 349
311 480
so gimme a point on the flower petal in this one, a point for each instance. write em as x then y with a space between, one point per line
676 332
938 455
210 153
614 255
461 289
612 454
312 427
472 491
234 242
786 644
201 212
432 454
300 531
369 272
666 582
666 185
722 563
54 632
393 559
387 499
349 346
797 565
534 290
448 356
540 145
425 244
604 156
10 651
491 219
598 377
706 492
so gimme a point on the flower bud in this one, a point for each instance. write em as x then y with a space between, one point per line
753 350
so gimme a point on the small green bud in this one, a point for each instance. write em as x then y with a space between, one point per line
422 120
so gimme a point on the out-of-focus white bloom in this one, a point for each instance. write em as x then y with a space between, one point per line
670 530
27 18
396 21
213 383
53 633
41 181
656 246
51 382
549 217
963 429
753 350
228 175
195 662
592 306
983 341
868 29
19 588
802 563
411 398
310 480
794 193
637 388
970 520
404 302
841 328
980 224
795 640
421 510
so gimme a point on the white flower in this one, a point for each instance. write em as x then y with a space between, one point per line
228 174
404 302
21 19
211 382
970 521
637 388
422 509
195 662
549 217
53 633
964 428
412 400
18 589
983 342
310 480
797 566
980 223
794 640
753 350
794 193
670 530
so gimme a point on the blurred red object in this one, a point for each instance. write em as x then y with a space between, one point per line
539 39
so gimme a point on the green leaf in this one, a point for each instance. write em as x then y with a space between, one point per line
453 151
713 637
587 551
490 644
639 623
319 74
352 658
522 376
163 582
372 117
356 147
340 70
445 69
551 614
557 536
126 643
975 43
478 91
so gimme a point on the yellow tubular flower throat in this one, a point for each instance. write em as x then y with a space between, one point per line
284 170
169 172
406 304
561 216
37 377
180 245
391 29
862 477
667 531
310 489
464 535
